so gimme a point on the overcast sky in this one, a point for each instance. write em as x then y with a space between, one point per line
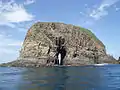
102 17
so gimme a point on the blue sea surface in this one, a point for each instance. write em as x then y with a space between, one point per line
105 77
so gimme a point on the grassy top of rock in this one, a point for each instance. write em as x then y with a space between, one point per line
92 35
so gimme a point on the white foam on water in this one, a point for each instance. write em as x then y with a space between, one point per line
103 64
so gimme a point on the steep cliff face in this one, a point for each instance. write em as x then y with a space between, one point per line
45 41
48 44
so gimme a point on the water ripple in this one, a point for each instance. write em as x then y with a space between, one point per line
61 78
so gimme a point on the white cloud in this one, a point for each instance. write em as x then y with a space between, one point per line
17 16
117 9
8 54
82 13
11 12
27 2
86 5
98 11
9 48
23 30
7 41
13 15
102 11
7 24
15 44
88 22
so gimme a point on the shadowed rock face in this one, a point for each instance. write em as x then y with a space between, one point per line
60 49
45 41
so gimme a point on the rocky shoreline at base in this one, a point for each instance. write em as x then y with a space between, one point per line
37 64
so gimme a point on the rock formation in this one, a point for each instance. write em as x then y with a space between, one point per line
45 41
119 59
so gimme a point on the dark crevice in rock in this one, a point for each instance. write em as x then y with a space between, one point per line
60 54
49 50
60 50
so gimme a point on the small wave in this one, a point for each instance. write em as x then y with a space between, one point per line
103 64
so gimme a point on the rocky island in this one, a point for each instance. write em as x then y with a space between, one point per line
51 43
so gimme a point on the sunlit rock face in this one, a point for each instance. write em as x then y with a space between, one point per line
48 44
77 46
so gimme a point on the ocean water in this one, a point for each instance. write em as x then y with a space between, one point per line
105 77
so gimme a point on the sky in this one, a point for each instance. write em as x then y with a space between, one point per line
102 17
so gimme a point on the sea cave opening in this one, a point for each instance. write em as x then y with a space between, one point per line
60 51
60 55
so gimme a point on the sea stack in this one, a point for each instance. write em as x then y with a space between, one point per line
48 42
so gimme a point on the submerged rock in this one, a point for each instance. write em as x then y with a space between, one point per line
46 40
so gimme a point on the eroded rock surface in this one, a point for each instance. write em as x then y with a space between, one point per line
46 40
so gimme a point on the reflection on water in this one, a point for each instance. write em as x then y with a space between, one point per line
61 78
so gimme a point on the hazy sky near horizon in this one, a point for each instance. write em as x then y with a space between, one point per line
102 17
